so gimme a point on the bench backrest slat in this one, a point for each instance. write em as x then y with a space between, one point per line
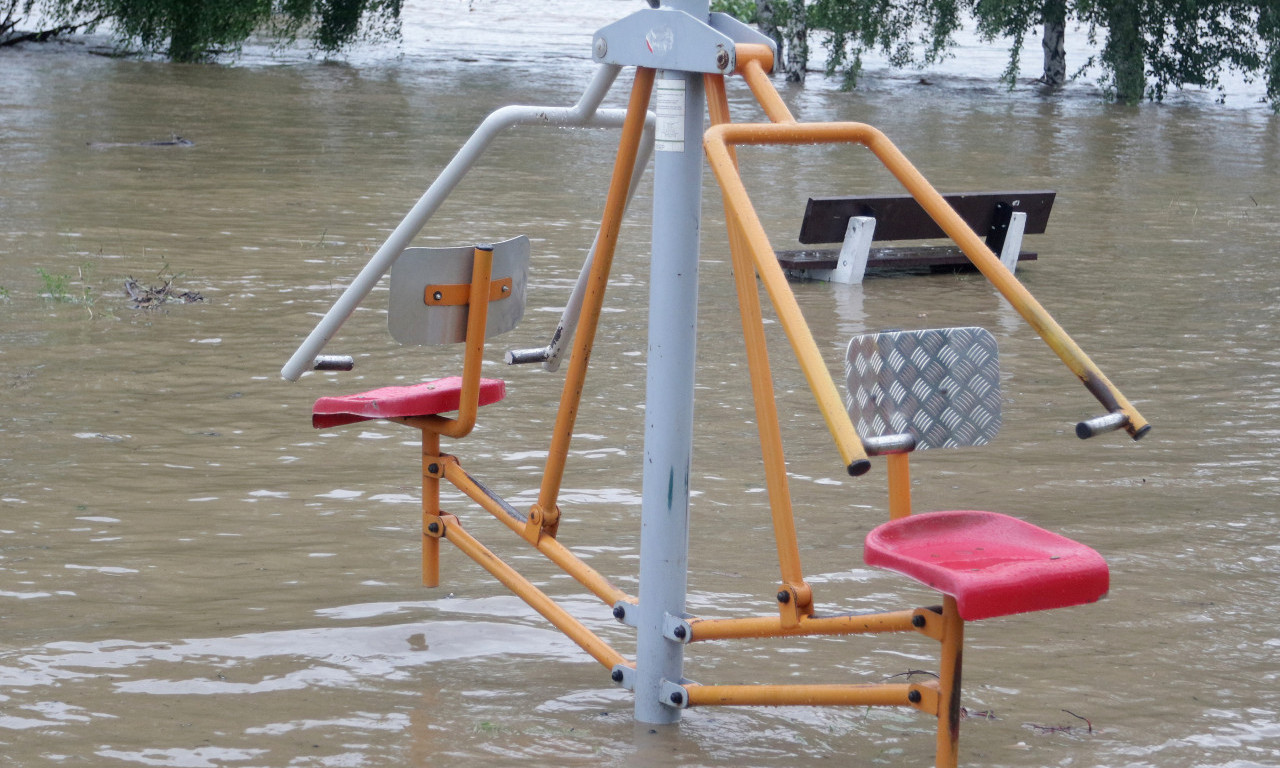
900 217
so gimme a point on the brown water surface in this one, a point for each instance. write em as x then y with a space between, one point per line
191 576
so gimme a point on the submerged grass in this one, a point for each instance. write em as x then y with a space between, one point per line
60 288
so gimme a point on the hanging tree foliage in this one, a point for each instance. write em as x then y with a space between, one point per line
1147 47
193 30
907 32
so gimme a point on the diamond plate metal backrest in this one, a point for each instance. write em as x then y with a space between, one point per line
940 386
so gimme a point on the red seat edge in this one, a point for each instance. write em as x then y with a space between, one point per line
993 564
425 399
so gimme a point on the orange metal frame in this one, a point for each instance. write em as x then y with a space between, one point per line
752 257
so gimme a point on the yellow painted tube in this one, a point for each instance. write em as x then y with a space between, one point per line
477 325
718 103
556 552
771 626
538 600
610 224
775 282
766 408
875 695
899 485
430 508
754 63
473 356
718 138
948 752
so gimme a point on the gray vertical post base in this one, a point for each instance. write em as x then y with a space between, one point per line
668 438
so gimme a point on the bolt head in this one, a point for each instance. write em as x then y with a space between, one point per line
918 622
784 596
601 48
680 633
617 675
722 59
433 527
914 697
677 698
433 468
619 612
437 295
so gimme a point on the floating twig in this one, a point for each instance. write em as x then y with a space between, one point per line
910 673
1085 719
1062 728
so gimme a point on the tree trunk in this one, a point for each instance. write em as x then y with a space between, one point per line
796 30
1123 52
767 22
1053 16
186 34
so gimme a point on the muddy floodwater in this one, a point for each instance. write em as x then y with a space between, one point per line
190 575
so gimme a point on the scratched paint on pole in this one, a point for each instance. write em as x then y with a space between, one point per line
668 97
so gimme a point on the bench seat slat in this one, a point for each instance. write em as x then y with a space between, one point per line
900 217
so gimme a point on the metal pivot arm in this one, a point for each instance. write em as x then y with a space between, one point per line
718 139
586 112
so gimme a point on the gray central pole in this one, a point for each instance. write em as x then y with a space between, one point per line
668 437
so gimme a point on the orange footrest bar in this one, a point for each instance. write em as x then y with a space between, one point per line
993 564
875 695
426 399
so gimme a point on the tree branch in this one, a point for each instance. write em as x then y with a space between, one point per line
39 36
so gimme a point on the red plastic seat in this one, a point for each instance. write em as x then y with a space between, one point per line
993 564
425 399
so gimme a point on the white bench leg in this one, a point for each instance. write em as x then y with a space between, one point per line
1013 240
852 263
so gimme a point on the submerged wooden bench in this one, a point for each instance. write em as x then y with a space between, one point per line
855 222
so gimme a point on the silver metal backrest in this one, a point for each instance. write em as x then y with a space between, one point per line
940 386
412 321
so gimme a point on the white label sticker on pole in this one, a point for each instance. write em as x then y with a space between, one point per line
668 96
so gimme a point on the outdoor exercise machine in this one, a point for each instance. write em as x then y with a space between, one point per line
908 390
